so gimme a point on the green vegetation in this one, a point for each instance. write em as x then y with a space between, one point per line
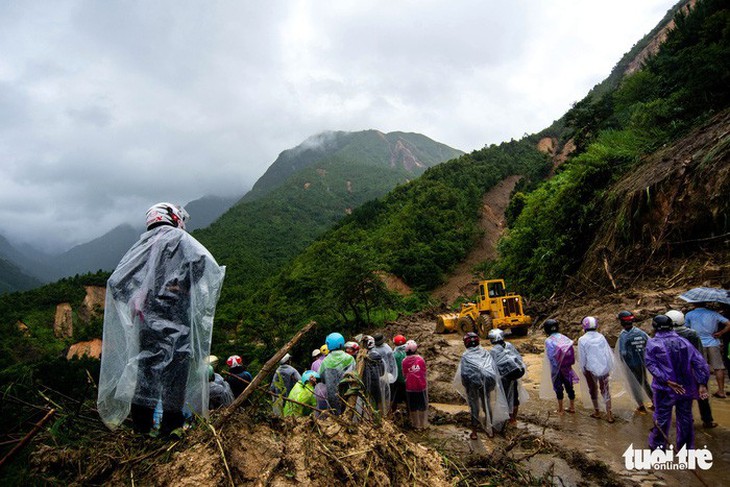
682 86
418 232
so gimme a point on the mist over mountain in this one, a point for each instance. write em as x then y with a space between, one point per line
310 188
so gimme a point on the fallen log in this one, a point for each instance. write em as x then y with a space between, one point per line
36 428
268 367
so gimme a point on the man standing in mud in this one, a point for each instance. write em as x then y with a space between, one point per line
679 372
630 351
711 326
158 322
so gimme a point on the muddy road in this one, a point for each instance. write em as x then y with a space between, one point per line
572 449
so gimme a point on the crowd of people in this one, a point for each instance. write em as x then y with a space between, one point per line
158 321
679 358
370 377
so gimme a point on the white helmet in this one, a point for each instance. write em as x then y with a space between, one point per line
495 335
167 214
676 316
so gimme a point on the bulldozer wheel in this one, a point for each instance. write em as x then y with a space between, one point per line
440 328
484 325
465 325
520 331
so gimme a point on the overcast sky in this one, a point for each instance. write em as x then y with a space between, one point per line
108 107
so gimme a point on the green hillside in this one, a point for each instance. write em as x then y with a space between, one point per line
418 232
259 234
681 88
13 279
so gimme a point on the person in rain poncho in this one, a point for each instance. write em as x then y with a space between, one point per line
374 376
317 358
303 393
352 348
477 380
596 363
320 390
691 336
559 360
333 368
678 372
511 368
391 367
158 322
630 348
238 377
414 370
398 388
284 380
220 393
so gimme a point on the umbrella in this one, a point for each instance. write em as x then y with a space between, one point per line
706 294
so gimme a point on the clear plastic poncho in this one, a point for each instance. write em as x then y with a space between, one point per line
333 368
220 393
596 357
477 380
391 366
631 369
284 380
557 364
375 378
511 369
158 321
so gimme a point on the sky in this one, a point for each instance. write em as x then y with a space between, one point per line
109 107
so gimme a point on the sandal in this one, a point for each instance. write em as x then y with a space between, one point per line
596 415
473 436
709 425
571 411
717 395
611 419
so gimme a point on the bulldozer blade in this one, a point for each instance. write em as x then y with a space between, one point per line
446 323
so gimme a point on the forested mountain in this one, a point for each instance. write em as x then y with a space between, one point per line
681 93
13 279
306 191
412 153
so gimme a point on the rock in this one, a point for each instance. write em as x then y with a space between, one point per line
91 349
93 304
63 323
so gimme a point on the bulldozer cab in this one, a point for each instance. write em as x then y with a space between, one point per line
493 289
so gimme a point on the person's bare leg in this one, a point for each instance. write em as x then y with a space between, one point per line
560 410
571 407
720 376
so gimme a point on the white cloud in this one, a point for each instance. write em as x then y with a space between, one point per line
108 107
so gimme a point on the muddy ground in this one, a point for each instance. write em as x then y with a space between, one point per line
572 449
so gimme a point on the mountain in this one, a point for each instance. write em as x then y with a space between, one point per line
307 190
14 279
397 150
27 260
206 210
102 253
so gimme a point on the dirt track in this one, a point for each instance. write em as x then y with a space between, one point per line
492 225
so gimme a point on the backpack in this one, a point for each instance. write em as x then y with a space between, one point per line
508 365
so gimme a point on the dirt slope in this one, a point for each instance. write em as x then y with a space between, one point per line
462 282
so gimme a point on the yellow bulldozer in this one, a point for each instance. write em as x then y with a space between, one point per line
494 308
